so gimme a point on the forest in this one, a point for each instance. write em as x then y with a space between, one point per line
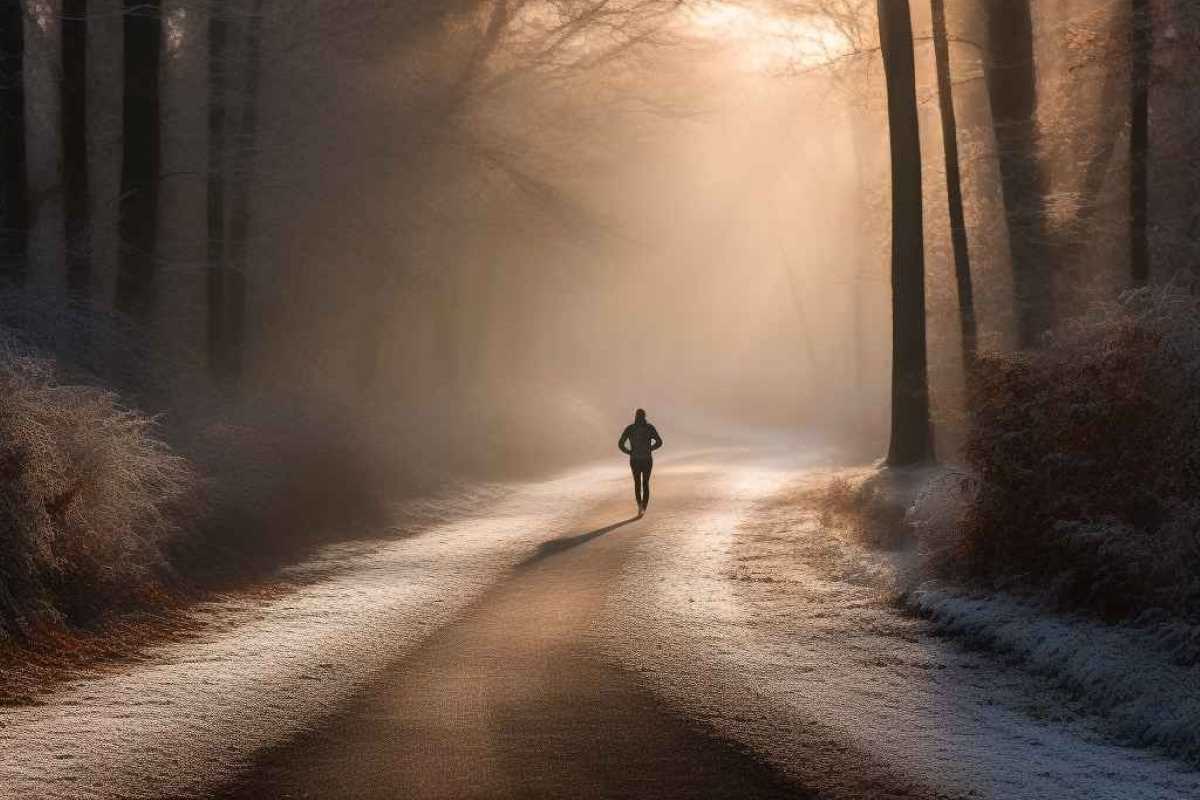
270 267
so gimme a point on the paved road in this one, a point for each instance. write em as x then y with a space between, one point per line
479 658
512 700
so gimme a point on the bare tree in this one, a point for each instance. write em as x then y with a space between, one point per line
76 193
14 175
140 158
911 440
514 44
216 273
1012 90
1141 52
239 220
954 196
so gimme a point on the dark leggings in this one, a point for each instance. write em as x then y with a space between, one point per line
641 479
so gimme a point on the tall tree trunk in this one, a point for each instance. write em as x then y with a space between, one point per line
140 159
958 224
217 46
14 175
1141 51
1012 90
911 441
76 194
239 223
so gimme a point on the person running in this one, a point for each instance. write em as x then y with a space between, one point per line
638 441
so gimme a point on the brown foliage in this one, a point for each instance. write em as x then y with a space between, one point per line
1085 465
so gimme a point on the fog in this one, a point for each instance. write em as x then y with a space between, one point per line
490 230
515 247
320 319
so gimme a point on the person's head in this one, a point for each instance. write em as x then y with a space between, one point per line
639 416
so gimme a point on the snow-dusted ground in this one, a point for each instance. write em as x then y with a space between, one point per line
1123 673
188 715
736 605
780 633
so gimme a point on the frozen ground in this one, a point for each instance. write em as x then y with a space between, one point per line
187 716
731 602
1124 674
781 633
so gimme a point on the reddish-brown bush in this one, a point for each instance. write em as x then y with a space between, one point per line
1086 459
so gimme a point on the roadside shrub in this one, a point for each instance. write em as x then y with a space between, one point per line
1087 456
106 509
281 478
872 506
89 498
936 518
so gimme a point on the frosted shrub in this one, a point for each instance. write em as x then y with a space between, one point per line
936 519
875 505
1088 460
89 498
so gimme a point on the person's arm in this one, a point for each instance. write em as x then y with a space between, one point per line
621 442
657 440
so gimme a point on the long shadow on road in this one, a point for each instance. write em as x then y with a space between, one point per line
518 700
554 546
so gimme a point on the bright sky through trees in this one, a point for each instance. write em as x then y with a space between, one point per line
765 39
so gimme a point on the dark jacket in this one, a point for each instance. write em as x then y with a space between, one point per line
639 440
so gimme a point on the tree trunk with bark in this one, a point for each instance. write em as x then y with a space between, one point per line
239 222
1141 52
911 440
1012 91
76 192
141 159
14 175
216 275
958 224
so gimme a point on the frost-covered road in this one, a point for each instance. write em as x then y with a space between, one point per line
432 665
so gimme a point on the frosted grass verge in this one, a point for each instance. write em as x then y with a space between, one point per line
752 617
1121 671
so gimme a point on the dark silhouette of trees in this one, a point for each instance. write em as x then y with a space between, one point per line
76 194
216 278
228 239
958 224
911 439
1012 91
239 220
14 178
141 158
1141 43
394 138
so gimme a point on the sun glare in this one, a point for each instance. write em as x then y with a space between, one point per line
766 41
